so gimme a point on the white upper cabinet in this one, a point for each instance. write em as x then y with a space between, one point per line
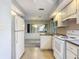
64 13
60 23
71 51
58 18
78 5
69 10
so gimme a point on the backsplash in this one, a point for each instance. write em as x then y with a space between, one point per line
73 26
63 30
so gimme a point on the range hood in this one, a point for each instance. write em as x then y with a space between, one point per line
70 17
70 21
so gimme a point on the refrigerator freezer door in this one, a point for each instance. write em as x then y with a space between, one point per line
19 23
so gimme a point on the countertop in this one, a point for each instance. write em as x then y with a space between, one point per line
75 42
70 40
46 34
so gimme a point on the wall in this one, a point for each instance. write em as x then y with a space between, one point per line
62 30
73 26
5 29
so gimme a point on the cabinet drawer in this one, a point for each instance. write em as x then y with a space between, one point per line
73 48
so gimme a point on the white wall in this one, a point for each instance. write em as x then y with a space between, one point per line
5 29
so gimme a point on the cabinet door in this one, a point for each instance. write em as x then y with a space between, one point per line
59 18
70 55
52 43
45 42
77 11
72 8
78 5
64 13
69 10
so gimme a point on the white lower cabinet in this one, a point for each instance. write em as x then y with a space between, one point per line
71 51
70 55
45 42
52 43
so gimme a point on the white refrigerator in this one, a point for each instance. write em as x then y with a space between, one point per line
19 36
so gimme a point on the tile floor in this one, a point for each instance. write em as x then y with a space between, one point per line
36 53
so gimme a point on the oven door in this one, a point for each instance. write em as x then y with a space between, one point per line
59 48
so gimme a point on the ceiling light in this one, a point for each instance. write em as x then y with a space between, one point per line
35 26
54 14
41 9
35 1
13 13
59 13
51 1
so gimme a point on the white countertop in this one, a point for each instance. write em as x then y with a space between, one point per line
76 42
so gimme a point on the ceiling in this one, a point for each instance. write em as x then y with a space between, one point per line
31 8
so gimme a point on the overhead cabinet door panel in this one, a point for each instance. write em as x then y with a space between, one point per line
69 9
78 5
72 8
77 11
64 13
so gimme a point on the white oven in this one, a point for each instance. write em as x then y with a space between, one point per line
59 48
